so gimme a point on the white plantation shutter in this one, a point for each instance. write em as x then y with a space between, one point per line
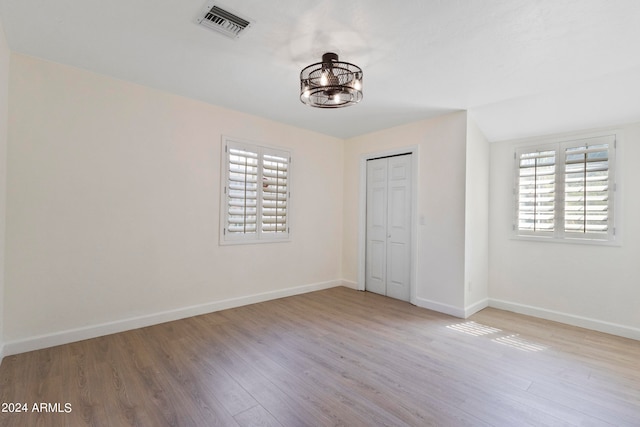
275 191
242 191
536 191
565 190
587 184
256 193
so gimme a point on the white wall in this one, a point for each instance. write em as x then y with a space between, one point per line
591 286
441 143
113 208
476 220
4 105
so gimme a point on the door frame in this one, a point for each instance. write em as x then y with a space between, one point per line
362 213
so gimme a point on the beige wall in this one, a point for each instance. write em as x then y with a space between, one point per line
441 144
113 206
4 111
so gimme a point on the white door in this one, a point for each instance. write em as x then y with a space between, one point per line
388 251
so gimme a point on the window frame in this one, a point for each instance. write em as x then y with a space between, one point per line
559 146
259 236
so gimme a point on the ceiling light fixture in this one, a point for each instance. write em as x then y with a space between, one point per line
331 83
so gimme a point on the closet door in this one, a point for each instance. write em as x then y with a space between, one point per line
388 251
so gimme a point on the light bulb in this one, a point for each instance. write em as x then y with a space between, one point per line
323 79
336 98
357 85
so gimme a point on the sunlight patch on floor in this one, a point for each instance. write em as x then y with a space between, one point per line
514 340
520 343
473 328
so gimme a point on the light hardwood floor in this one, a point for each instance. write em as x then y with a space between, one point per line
335 357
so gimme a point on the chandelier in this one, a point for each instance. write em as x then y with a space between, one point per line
331 83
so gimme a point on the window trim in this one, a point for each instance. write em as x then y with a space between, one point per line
226 238
559 235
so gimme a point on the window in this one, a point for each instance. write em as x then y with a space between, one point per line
256 193
566 190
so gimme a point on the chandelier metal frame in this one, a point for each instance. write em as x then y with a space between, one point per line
331 83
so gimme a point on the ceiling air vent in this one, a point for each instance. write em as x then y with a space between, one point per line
221 20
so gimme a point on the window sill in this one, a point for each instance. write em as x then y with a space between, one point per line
252 242
568 240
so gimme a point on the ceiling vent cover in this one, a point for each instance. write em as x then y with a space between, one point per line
223 21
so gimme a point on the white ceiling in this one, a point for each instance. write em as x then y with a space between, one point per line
521 67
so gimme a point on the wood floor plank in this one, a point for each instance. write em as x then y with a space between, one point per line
330 358
257 417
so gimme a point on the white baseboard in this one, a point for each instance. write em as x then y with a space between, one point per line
94 331
476 307
350 284
570 319
440 308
